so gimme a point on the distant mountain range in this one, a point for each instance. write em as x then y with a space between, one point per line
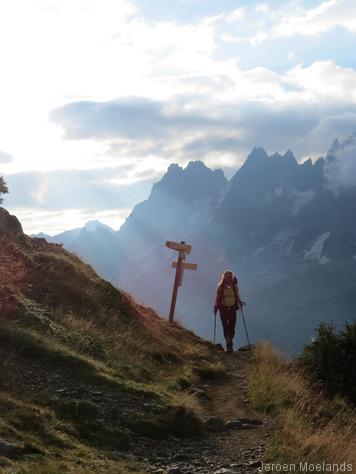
288 230
95 243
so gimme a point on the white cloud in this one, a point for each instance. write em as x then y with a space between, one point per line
60 50
51 222
314 21
5 157
39 194
262 8
223 114
231 39
323 81
236 15
321 19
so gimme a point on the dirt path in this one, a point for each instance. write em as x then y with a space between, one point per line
225 450
242 449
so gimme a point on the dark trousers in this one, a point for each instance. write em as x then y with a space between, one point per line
228 319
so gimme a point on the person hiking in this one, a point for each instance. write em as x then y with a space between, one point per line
227 302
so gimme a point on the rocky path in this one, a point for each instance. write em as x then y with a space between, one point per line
236 435
236 438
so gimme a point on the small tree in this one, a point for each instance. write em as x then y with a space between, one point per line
3 188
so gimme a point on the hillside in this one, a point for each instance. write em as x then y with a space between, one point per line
90 380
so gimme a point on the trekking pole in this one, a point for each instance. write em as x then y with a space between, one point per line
214 327
243 319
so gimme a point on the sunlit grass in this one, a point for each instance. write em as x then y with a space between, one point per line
308 426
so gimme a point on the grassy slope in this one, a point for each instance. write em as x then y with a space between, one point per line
309 427
84 370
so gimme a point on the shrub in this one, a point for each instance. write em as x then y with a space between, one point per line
3 188
331 360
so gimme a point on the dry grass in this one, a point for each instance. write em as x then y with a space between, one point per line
309 427
274 384
85 463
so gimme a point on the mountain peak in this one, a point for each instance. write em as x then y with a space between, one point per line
259 157
195 181
257 154
94 225
196 165
337 146
174 168
308 162
334 146
288 155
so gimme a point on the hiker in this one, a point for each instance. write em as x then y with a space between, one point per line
228 302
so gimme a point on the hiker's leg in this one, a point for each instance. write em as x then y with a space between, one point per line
225 324
232 323
231 327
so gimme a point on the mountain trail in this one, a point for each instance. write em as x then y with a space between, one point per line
235 449
224 449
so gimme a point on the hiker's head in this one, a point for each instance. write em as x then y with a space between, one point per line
227 276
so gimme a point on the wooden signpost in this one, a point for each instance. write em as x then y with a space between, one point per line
183 250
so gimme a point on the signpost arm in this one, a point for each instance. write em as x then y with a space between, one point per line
175 288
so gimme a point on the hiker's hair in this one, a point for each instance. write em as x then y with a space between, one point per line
223 277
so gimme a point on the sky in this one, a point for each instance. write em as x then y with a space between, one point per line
98 97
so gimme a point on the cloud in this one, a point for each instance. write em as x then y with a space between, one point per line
130 117
327 16
262 8
51 222
236 15
231 113
324 81
209 143
176 81
93 189
57 200
5 157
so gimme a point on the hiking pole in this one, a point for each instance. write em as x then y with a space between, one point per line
214 327
243 319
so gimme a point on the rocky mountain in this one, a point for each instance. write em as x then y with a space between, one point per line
287 229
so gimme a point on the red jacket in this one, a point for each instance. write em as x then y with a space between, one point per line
219 300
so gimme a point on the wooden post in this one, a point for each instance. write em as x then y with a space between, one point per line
183 249
177 280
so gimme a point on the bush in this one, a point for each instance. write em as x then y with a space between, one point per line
331 360
3 188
